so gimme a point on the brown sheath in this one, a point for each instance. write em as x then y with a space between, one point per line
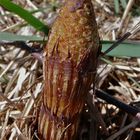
69 69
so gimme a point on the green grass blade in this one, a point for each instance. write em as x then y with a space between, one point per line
116 4
5 36
123 50
26 15
123 3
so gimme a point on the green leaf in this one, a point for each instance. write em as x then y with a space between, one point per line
24 14
116 4
126 49
5 36
123 3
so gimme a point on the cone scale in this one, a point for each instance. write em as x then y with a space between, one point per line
69 69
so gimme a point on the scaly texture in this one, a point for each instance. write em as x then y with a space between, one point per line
69 69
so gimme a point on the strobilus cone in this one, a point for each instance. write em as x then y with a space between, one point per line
69 69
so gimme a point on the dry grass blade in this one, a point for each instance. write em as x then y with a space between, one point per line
9 65
135 29
30 102
20 135
127 10
5 124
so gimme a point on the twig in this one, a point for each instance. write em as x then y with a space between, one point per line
22 45
114 45
133 31
133 124
96 114
109 99
123 123
36 52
